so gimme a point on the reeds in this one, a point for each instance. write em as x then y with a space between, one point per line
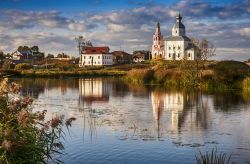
25 137
213 158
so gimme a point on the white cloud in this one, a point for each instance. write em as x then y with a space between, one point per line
116 27
245 32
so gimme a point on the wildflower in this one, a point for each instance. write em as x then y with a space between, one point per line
7 145
14 87
40 115
23 118
68 122
56 121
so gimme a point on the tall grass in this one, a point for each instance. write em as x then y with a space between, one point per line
246 84
140 75
213 158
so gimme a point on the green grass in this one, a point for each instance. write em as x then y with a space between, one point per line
59 73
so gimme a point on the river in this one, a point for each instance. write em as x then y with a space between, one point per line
125 123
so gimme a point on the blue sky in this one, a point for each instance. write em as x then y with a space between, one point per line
123 24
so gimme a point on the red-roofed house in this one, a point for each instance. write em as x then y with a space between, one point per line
97 56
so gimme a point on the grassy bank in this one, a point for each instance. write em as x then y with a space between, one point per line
191 74
178 74
60 73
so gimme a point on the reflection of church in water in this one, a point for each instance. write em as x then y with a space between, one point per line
93 90
174 110
171 102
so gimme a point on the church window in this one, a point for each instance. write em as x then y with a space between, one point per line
189 55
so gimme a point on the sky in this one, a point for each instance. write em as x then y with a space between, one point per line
123 24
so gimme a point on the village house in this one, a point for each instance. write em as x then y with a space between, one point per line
21 55
140 56
177 46
121 57
96 56
24 53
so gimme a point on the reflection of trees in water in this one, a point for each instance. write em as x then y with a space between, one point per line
119 88
230 100
200 104
138 90
35 86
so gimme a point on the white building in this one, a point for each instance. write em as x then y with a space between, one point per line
96 56
177 46
158 43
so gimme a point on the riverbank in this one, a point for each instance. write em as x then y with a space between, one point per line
58 73
178 74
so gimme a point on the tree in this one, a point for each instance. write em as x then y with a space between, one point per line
50 56
62 56
205 50
35 49
2 55
23 48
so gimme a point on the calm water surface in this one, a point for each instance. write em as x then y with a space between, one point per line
125 123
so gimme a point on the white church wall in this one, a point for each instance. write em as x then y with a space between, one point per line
174 50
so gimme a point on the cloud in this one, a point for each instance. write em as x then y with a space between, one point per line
226 26
17 20
245 32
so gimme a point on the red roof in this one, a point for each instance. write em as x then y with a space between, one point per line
96 50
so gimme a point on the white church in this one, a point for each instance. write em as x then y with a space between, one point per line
175 47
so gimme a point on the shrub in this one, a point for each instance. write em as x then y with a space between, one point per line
141 75
25 137
246 84
228 72
23 66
